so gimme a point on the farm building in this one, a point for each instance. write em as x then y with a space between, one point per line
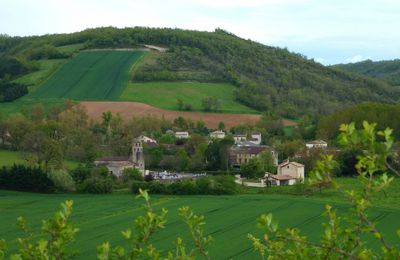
317 144
182 135
117 164
218 134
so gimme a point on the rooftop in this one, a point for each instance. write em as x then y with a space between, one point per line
114 159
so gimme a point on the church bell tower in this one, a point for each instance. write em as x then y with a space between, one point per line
138 155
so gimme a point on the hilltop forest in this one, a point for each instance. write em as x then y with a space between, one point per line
388 70
266 78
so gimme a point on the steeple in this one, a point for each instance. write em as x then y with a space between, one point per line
137 155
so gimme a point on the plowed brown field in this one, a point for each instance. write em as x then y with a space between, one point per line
129 109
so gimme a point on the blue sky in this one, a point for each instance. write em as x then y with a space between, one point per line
329 31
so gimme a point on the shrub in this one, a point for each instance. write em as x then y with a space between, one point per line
62 180
80 173
208 185
132 174
96 186
23 178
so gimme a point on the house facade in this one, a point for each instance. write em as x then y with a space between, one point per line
317 144
293 169
217 134
239 138
243 154
182 135
288 173
256 138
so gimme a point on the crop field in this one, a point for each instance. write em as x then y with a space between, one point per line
91 75
165 95
129 109
228 218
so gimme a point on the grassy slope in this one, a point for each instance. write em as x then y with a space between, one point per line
97 75
165 94
8 158
228 218
34 80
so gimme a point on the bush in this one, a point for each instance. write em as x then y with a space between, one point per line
209 185
132 174
23 178
80 173
96 186
11 91
62 180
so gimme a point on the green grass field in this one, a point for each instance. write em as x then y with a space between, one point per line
8 158
90 75
165 95
228 218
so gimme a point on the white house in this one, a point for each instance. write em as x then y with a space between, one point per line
256 138
317 144
145 139
239 138
182 135
218 134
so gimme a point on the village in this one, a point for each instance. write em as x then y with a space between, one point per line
245 148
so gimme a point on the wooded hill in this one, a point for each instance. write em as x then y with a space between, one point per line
267 78
388 70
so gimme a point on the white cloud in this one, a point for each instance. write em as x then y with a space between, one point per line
357 58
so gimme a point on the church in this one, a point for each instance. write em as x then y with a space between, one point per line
117 164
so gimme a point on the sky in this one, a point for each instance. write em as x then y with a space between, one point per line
328 31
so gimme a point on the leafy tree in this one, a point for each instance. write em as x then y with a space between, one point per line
252 169
180 104
182 160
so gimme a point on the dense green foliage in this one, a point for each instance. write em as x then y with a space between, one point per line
382 114
189 93
11 91
266 78
210 185
388 70
92 75
22 178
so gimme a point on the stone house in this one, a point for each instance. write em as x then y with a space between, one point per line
288 173
242 154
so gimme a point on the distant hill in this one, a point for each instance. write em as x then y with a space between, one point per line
388 70
266 78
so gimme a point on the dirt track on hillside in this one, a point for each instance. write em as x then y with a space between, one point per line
129 109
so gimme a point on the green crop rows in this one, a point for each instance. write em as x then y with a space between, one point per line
91 75
228 218
165 95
